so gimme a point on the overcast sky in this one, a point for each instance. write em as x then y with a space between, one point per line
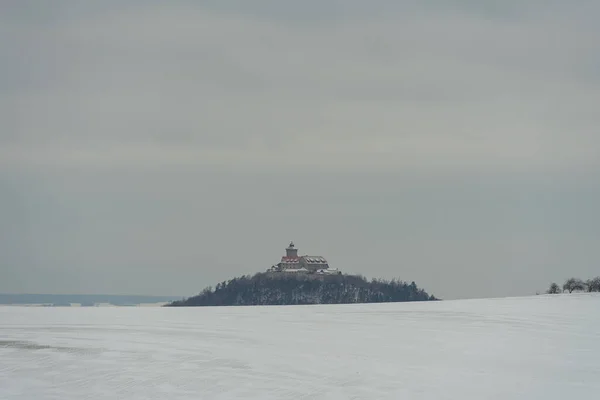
152 147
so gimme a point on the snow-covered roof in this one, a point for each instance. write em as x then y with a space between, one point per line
328 271
314 259
290 260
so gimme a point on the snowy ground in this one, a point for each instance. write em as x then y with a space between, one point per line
542 347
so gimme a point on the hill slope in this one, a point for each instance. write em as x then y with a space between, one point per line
290 289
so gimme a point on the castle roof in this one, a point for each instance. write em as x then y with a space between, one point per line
314 259
290 260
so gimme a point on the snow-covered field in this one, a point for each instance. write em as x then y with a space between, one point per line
542 347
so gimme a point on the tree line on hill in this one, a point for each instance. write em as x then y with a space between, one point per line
289 289
576 285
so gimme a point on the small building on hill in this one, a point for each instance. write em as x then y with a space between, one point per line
292 262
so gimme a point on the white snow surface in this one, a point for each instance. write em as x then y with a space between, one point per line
542 347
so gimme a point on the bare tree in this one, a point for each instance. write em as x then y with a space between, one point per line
573 284
593 285
553 289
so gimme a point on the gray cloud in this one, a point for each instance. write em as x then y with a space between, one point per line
144 137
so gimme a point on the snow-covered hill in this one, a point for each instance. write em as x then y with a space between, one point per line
542 347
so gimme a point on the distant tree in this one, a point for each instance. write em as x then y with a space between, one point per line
553 289
593 285
573 284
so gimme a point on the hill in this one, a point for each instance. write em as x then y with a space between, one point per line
291 289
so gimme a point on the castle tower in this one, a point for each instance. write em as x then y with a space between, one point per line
291 251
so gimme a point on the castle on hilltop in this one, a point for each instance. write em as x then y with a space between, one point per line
293 263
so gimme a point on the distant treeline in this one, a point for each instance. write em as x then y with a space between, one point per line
576 285
85 299
291 288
